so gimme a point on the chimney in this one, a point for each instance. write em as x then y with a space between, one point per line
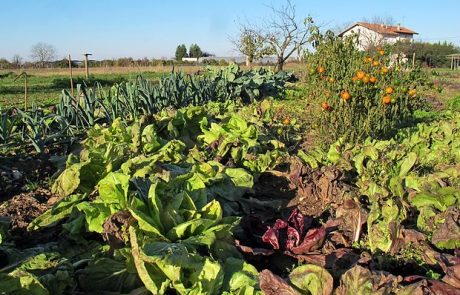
399 27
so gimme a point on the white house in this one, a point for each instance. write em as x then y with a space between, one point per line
370 35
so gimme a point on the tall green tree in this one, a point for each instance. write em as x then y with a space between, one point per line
195 51
430 54
181 52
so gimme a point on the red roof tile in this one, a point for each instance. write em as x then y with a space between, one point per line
383 29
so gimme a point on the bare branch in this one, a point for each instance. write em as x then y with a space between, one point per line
285 33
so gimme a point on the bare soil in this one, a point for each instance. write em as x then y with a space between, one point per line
23 209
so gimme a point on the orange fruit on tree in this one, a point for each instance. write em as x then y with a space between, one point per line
412 93
389 90
386 99
376 63
286 121
369 59
366 79
360 74
321 70
381 52
372 79
345 95
325 106
331 80
384 70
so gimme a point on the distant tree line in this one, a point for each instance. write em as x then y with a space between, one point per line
429 54
119 62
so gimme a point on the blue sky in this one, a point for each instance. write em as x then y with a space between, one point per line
153 29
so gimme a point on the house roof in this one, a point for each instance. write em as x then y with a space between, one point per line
382 29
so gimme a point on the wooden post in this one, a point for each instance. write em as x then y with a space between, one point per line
86 63
71 78
23 74
25 91
413 60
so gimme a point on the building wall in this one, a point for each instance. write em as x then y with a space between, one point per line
367 38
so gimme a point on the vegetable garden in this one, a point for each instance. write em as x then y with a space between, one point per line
204 184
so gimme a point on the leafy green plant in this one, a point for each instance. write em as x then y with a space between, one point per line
154 202
130 101
8 125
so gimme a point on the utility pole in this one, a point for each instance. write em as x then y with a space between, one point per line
71 79
86 63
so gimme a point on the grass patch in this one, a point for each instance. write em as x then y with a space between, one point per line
45 90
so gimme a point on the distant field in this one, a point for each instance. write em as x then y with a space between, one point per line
46 85
449 81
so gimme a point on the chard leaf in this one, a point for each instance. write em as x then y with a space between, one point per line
152 278
59 211
426 199
113 189
209 279
96 213
307 158
20 282
212 211
396 186
407 164
69 180
146 223
189 228
107 274
150 140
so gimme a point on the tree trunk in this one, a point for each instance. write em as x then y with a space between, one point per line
279 64
248 61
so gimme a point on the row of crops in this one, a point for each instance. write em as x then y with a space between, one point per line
205 184
180 203
131 100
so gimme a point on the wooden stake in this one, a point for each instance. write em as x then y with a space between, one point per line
71 79
413 60
23 74
25 91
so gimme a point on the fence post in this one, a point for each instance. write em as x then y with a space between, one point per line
71 78
25 91
86 64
